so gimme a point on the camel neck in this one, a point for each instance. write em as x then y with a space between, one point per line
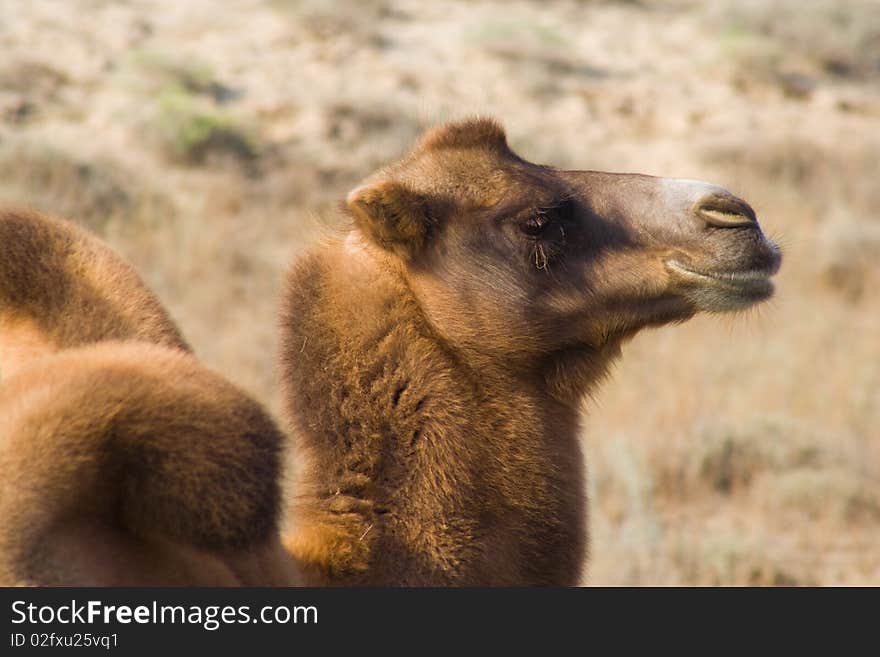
420 466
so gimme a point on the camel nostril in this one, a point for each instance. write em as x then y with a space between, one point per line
725 211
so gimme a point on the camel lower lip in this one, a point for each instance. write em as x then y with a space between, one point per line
738 279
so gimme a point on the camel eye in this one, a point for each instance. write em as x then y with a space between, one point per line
545 217
535 225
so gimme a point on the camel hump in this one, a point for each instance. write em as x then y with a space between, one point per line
61 287
137 439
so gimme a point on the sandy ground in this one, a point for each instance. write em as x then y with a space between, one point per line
209 143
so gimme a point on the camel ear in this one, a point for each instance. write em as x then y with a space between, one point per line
392 215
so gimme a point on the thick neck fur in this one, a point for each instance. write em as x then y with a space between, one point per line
420 469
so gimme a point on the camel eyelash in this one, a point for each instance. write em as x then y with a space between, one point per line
545 229
539 257
545 215
544 251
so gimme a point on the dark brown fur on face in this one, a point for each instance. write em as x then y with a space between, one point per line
121 462
434 359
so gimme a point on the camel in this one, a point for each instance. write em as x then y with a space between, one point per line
123 460
435 356
61 287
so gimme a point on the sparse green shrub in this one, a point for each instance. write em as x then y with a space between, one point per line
834 492
91 192
163 73
850 257
192 132
730 559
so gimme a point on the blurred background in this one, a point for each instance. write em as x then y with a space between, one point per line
210 142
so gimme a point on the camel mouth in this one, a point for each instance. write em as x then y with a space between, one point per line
718 291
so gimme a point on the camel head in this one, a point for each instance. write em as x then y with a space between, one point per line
519 261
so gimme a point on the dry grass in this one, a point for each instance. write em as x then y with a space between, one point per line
209 146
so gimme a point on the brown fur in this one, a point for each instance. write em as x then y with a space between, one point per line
123 463
434 359
61 287
138 445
